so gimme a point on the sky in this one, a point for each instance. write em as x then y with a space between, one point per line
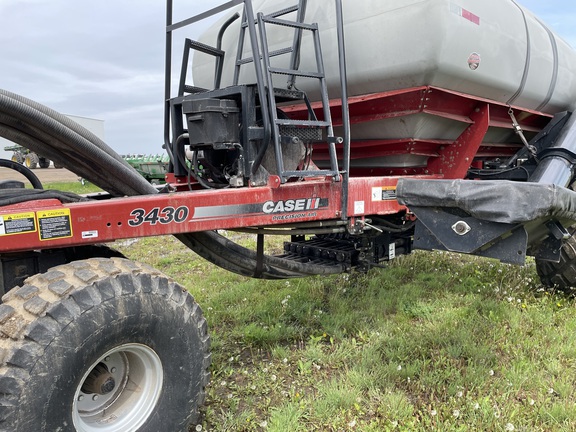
105 59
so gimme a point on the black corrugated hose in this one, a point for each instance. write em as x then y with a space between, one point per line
57 137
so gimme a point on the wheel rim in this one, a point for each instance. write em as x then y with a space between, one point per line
119 391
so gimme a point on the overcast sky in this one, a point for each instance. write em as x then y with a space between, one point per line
104 59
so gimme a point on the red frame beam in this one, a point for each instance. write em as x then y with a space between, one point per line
50 224
455 160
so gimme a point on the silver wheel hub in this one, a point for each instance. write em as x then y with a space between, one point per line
119 391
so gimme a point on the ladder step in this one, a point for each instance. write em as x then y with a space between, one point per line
277 14
292 24
270 54
306 134
295 72
303 123
193 89
284 11
207 49
286 94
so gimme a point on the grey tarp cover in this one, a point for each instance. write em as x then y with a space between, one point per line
494 201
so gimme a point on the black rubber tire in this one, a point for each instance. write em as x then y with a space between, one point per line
560 275
62 321
43 162
17 157
31 160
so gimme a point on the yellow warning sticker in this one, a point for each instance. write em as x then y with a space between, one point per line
17 223
54 224
384 193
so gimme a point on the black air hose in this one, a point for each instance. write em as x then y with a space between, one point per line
33 125
25 171
66 121
30 142
75 146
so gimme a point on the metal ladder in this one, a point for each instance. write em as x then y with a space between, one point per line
284 131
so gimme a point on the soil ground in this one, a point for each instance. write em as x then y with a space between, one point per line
46 175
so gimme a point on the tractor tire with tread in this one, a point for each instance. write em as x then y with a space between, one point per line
560 275
66 332
17 157
31 160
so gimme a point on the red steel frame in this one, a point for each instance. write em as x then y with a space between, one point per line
451 159
51 224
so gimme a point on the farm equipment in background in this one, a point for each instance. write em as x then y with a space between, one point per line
355 160
27 157
152 167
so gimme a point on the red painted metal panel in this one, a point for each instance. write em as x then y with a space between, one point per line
380 148
49 224
432 100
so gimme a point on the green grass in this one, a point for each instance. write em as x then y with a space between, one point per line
76 187
435 342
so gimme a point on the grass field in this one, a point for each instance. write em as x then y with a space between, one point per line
435 342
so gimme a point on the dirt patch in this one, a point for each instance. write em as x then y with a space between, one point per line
46 175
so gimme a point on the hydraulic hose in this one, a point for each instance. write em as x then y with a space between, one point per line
50 133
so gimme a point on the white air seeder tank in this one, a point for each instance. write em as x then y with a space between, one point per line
492 49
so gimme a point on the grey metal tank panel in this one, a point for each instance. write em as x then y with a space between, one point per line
493 49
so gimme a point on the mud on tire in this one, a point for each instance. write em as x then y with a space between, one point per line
101 344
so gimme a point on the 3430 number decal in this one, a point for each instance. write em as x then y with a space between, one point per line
158 215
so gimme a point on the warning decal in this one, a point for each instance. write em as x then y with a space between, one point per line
384 193
54 224
19 223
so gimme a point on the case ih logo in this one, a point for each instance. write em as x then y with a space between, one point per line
294 205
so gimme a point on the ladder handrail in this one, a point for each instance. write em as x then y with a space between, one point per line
264 102
215 10
345 108
296 44
261 57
